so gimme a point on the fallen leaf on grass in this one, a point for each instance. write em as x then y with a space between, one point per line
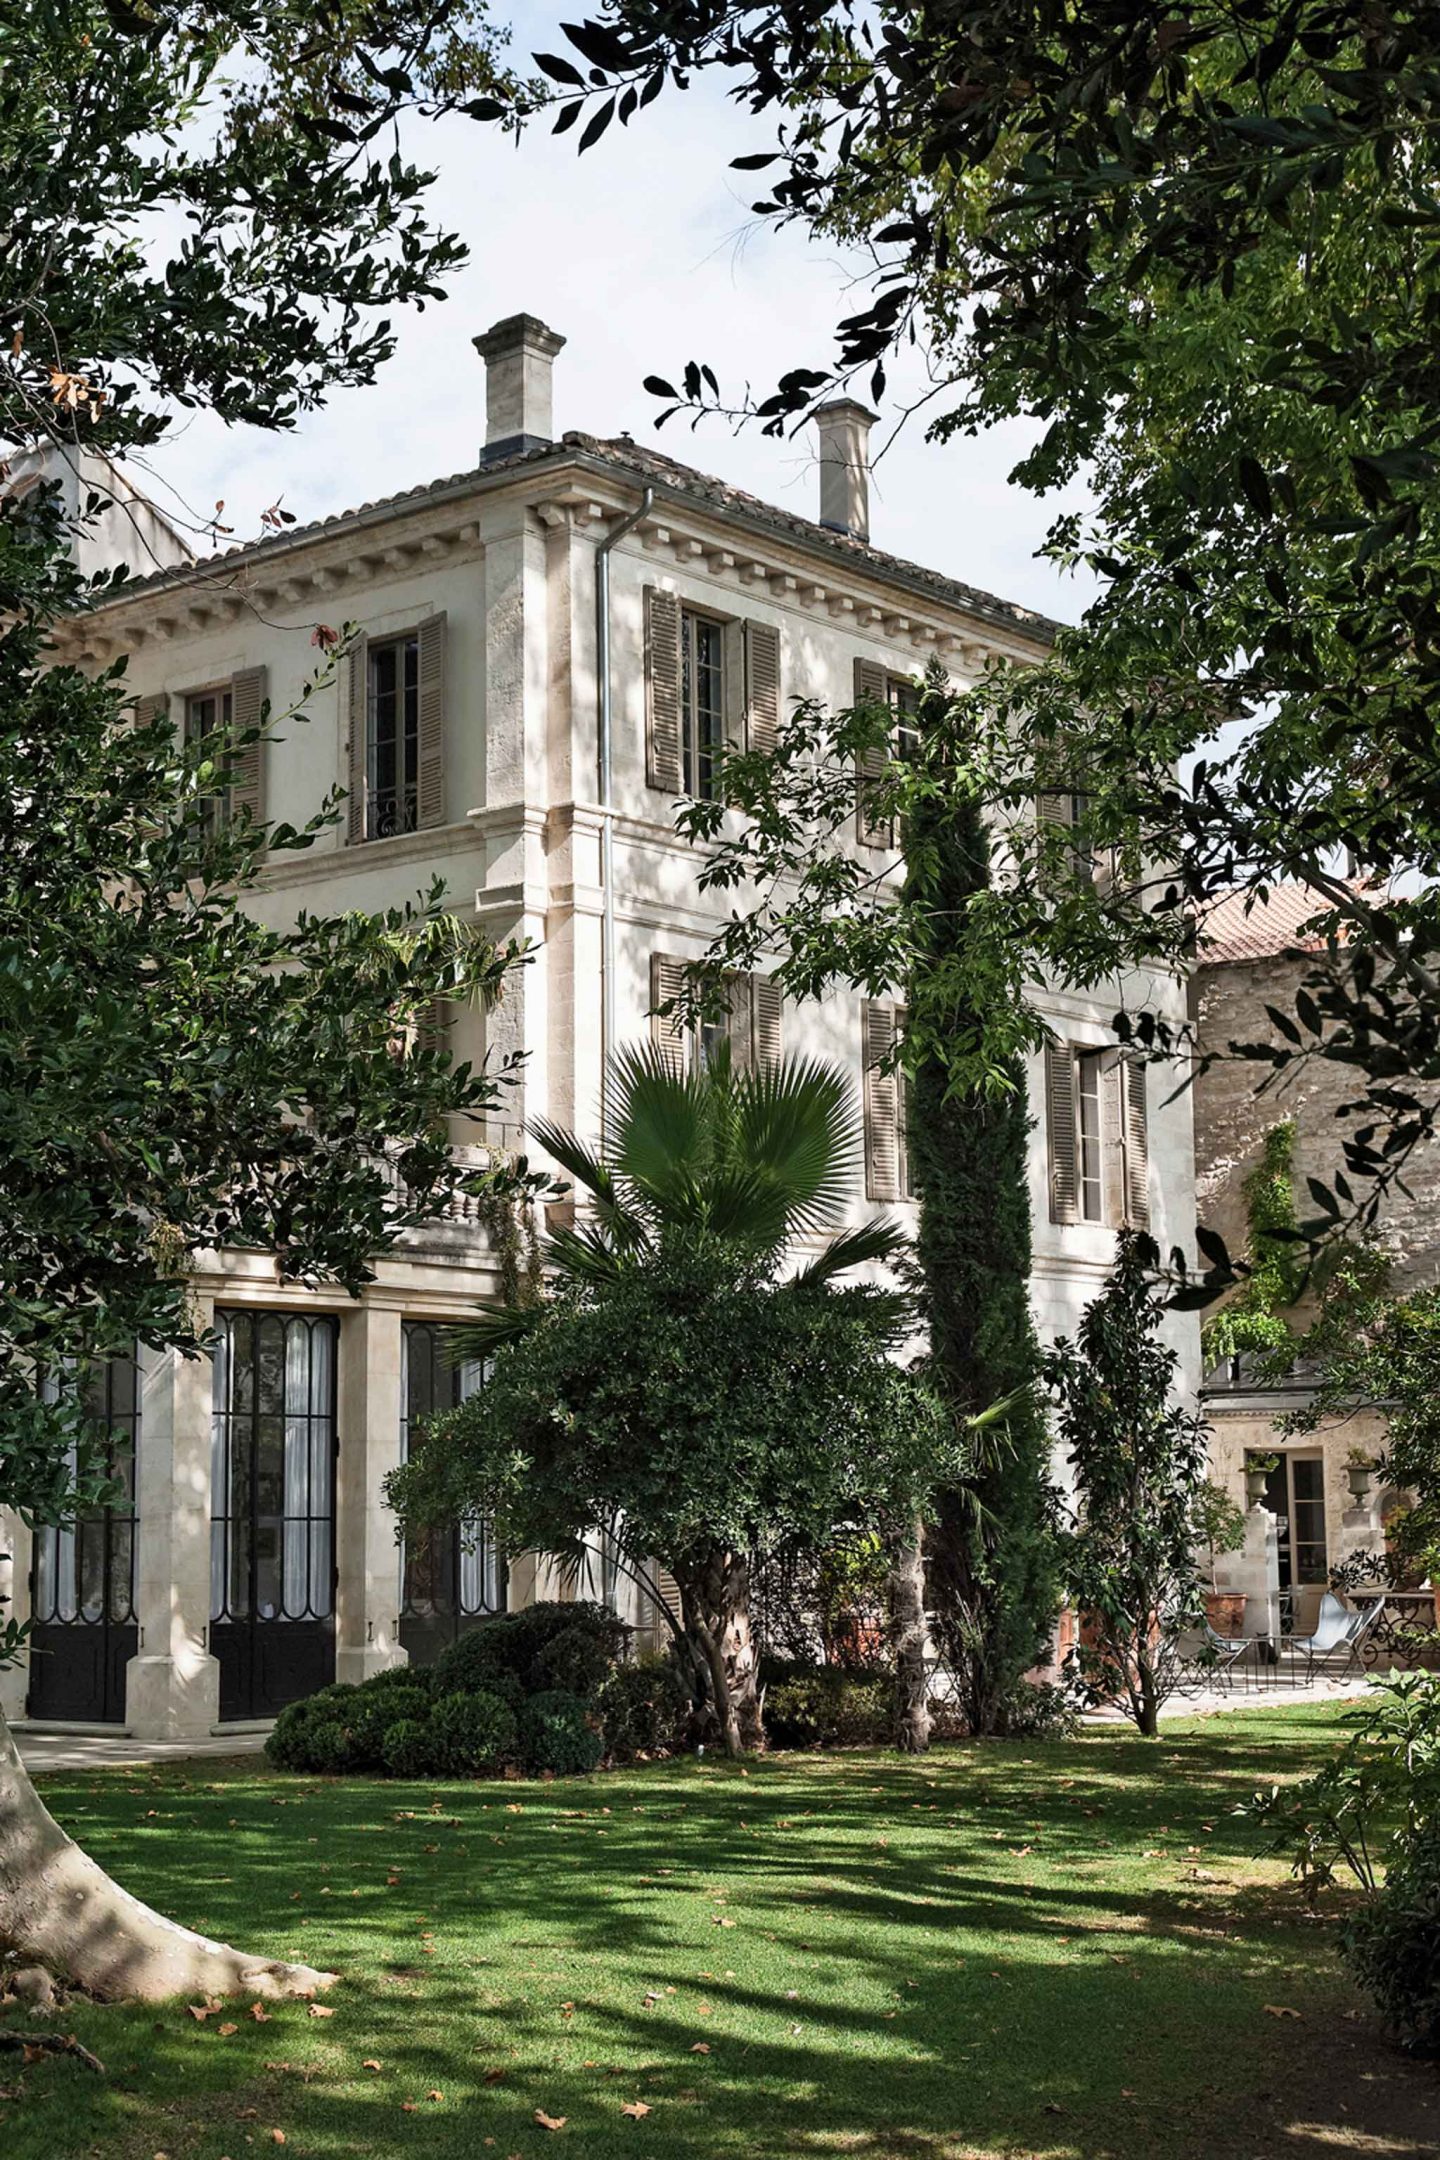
701 2047
318 2010
635 2108
277 2137
550 2122
492 2077
1280 2010
371 2062
260 2014
434 2096
227 2030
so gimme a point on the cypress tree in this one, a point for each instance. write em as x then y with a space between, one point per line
994 1586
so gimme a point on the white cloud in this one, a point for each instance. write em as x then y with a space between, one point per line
644 253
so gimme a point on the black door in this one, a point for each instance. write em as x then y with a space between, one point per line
82 1583
272 1538
451 1577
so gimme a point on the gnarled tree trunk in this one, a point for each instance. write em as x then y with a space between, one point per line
61 1911
717 1615
908 1635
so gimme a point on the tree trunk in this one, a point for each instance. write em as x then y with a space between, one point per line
59 1910
737 1643
908 1636
717 1607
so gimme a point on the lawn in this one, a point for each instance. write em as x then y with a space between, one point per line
1065 1950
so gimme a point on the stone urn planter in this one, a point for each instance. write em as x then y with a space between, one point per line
1225 1611
1358 1480
1255 1483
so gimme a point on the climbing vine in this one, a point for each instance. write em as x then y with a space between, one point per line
1252 1323
509 1223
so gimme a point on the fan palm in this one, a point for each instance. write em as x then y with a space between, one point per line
757 1160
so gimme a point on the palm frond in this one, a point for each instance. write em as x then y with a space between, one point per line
661 1120
796 1121
492 1329
862 1247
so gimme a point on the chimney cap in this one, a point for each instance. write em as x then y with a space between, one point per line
513 331
846 408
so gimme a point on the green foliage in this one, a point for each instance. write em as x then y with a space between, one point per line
409 1749
202 209
521 1653
1252 1323
1393 1947
1041 1710
992 1572
1219 1522
471 1734
645 1709
827 1706
1138 1462
556 1735
1376 1351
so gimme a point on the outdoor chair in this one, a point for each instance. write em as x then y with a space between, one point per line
1339 1635
1224 1653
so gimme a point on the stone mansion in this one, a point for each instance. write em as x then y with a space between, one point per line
550 644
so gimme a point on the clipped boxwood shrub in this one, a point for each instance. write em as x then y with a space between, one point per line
291 1745
828 1706
645 1709
409 1748
507 1655
555 1735
472 1733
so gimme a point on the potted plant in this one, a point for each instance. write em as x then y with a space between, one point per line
1258 1469
1220 1527
1359 1469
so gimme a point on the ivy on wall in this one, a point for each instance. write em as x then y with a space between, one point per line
1252 1323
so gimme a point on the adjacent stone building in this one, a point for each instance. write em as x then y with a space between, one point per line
551 643
1253 956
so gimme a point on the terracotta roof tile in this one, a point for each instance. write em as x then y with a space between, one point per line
1240 926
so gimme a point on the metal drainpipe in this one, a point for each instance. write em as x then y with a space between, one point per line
607 811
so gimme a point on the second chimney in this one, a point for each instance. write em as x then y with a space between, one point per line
845 466
519 354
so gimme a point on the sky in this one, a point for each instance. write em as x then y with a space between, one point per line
643 253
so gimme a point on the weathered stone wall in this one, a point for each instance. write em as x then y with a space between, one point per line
1234 1109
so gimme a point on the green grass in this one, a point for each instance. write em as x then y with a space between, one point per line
1063 1949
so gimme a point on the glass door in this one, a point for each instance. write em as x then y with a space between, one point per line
450 1577
83 1632
272 1533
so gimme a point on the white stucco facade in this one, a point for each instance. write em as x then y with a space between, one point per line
506 554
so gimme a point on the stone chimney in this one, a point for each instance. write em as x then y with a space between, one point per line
845 466
519 354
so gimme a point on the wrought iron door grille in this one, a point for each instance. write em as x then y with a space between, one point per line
272 1550
451 1576
85 1572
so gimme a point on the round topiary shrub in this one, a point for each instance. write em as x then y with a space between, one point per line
556 1736
479 1661
378 1704
576 1661
827 1706
471 1734
409 1748
645 1709
290 1745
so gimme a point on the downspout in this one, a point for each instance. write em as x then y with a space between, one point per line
607 809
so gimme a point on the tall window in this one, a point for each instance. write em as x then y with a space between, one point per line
1090 1184
205 712
702 700
392 738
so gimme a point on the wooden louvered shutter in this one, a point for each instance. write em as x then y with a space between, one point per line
148 710
357 706
1060 1137
667 980
740 1021
870 689
669 1591
247 704
881 1100
432 1031
1052 807
430 671
1112 1138
1136 1118
762 686
767 1003
663 761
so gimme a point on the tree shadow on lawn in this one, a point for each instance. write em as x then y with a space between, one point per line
897 1981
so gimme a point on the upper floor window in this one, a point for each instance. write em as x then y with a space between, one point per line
210 712
702 700
392 738
397 732
875 686
1097 1136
